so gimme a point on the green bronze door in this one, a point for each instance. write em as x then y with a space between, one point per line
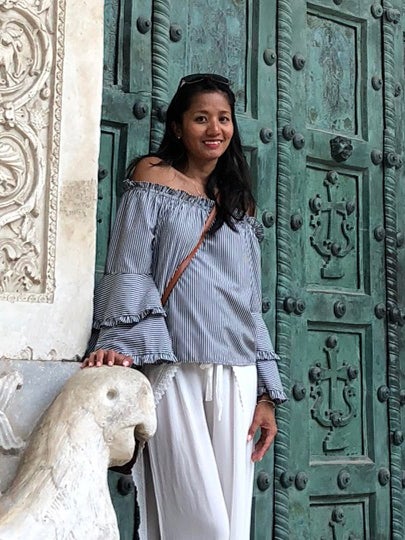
336 461
316 84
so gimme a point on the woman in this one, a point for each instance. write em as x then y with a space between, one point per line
207 352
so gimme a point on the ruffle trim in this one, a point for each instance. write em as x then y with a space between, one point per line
278 396
256 226
155 358
267 355
127 319
179 194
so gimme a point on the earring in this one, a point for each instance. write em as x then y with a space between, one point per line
178 137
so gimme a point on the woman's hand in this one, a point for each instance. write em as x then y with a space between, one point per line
265 419
107 357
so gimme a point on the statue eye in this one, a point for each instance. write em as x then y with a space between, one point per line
112 393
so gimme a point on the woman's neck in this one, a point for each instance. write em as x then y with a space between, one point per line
199 172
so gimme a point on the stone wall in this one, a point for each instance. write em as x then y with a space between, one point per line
51 58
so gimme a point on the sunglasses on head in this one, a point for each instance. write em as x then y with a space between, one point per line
200 77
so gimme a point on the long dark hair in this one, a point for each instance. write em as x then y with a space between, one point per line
230 182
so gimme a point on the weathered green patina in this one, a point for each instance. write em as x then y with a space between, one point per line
320 90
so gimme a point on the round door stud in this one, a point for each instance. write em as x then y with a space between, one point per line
298 141
125 485
266 305
266 135
338 515
102 173
376 156
379 233
176 32
301 481
143 25
339 309
332 177
380 310
331 341
393 160
299 306
296 222
286 479
140 110
269 56
397 90
394 314
288 132
352 373
377 10
267 219
263 481
384 476
383 394
298 61
376 82
344 479
299 391
289 304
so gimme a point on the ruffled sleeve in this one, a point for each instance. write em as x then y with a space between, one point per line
128 314
266 359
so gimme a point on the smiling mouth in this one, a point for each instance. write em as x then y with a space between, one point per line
215 142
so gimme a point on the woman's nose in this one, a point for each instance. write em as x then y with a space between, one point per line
213 126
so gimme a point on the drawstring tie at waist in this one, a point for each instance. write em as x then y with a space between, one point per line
214 371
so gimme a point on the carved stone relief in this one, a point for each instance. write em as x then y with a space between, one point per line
60 490
31 54
10 442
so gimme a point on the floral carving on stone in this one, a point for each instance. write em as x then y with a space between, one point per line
31 54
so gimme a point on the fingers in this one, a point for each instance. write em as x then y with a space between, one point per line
106 357
126 361
253 428
263 444
263 419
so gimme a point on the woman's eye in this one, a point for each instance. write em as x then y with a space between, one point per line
224 119
200 119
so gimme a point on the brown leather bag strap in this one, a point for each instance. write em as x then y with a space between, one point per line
185 262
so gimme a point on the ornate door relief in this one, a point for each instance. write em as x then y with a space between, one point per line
330 459
31 56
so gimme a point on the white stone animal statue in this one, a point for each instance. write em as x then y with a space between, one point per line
60 491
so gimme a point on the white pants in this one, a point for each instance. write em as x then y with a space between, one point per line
200 459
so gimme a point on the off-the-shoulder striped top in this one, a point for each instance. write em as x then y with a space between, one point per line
213 314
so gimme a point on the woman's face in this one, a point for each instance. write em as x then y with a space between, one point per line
206 128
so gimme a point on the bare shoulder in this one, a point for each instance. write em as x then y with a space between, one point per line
151 169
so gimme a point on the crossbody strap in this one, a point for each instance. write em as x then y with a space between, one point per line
185 262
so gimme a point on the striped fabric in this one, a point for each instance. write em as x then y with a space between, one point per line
214 312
